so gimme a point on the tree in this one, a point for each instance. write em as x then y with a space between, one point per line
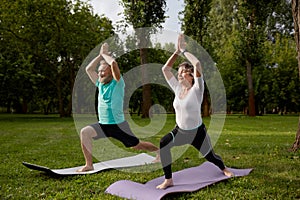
221 42
278 81
141 14
195 23
296 17
157 54
49 40
252 17
241 29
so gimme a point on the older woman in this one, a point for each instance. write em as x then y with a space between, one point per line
189 129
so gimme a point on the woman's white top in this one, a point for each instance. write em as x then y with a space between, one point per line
188 109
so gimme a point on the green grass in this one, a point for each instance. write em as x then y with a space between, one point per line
260 143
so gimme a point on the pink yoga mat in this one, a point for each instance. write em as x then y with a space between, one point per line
187 180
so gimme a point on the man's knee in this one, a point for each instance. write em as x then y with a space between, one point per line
87 132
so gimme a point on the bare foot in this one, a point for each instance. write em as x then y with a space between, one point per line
228 173
85 169
157 159
167 183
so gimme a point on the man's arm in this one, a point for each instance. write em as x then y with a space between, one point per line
114 66
91 68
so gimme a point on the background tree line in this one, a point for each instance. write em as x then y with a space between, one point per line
253 46
43 43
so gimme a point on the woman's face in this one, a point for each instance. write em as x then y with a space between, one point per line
185 75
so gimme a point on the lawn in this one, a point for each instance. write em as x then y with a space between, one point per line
246 142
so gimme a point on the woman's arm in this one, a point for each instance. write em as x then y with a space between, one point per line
195 62
191 58
168 66
170 62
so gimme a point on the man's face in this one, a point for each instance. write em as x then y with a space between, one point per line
104 73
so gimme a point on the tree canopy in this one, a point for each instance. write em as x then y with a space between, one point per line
44 42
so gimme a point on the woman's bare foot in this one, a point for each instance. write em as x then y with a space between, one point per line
227 173
85 169
167 183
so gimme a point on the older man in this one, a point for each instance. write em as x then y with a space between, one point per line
111 122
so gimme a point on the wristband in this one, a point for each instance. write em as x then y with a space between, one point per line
182 53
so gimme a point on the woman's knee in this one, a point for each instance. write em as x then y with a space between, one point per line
164 141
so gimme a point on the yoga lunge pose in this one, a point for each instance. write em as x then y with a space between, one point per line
111 122
189 129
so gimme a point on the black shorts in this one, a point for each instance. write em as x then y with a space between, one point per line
121 132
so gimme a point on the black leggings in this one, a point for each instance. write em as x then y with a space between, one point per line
196 137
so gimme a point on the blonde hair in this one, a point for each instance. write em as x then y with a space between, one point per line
103 61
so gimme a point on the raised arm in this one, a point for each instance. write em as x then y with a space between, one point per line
170 62
189 56
114 66
91 68
103 55
168 66
195 62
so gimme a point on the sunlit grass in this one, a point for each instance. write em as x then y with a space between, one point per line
260 143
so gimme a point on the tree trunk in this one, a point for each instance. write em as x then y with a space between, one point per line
146 101
205 105
144 39
251 95
296 17
72 81
60 97
296 144
24 106
146 104
8 106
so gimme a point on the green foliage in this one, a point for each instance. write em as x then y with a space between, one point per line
246 34
154 55
43 44
144 13
260 143
281 81
196 19
46 42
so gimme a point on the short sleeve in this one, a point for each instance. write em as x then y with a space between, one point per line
173 83
97 83
199 83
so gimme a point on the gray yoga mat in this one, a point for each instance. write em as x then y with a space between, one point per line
187 180
132 161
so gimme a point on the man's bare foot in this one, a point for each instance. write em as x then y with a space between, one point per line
167 183
85 169
157 159
228 173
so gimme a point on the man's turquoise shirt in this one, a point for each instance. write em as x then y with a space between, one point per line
110 102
